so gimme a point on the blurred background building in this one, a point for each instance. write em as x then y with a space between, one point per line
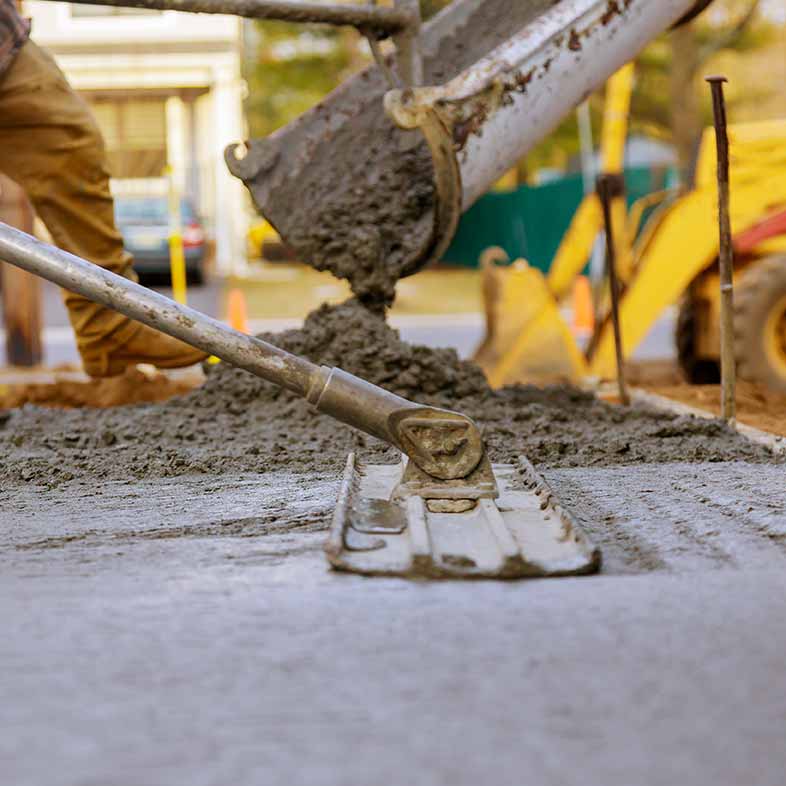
166 89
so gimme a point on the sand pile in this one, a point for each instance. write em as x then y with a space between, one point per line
238 423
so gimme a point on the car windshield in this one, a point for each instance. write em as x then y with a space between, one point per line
148 210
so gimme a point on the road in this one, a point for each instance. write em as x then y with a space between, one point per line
59 345
461 331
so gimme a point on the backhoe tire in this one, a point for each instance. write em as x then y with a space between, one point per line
697 371
760 323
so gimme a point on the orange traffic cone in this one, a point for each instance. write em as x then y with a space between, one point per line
583 312
237 314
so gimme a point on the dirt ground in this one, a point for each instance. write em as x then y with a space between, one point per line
757 405
66 392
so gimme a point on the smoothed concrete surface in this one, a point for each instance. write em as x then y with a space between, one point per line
189 632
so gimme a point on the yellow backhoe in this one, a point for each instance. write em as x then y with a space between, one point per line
671 259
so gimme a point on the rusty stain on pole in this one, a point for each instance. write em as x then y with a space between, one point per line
608 185
726 254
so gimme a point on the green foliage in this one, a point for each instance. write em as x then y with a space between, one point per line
430 7
294 66
652 99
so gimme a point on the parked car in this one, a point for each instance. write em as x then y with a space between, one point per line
144 224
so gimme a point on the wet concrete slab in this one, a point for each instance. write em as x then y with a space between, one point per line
189 631
680 517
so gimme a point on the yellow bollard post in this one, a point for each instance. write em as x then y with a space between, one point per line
177 257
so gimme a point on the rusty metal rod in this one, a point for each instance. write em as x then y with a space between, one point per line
383 21
725 255
606 186
409 55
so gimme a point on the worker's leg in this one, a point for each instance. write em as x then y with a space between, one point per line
51 146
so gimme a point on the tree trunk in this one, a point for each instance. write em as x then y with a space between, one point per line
686 122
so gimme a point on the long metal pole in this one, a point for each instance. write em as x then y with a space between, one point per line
379 19
726 255
408 53
158 312
444 444
606 185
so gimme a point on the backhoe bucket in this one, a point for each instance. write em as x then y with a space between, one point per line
527 339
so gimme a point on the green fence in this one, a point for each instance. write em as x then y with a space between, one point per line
531 221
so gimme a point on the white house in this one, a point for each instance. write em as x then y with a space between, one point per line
166 88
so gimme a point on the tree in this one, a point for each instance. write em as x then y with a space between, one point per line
670 101
692 46
430 7
291 67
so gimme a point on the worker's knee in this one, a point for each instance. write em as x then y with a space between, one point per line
70 162
84 148
47 130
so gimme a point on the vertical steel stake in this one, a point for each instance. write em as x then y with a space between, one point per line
606 186
408 52
726 255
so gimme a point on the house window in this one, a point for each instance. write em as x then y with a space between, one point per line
134 130
80 11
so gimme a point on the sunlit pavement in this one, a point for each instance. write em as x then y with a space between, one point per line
59 345
438 308
464 332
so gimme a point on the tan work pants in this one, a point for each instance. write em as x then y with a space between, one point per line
51 146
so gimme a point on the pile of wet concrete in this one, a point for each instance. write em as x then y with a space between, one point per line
238 423
362 225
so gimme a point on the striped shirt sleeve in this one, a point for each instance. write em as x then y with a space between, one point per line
14 31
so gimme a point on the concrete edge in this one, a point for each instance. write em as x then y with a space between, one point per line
775 442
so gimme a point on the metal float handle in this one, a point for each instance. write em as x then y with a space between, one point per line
380 20
444 444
